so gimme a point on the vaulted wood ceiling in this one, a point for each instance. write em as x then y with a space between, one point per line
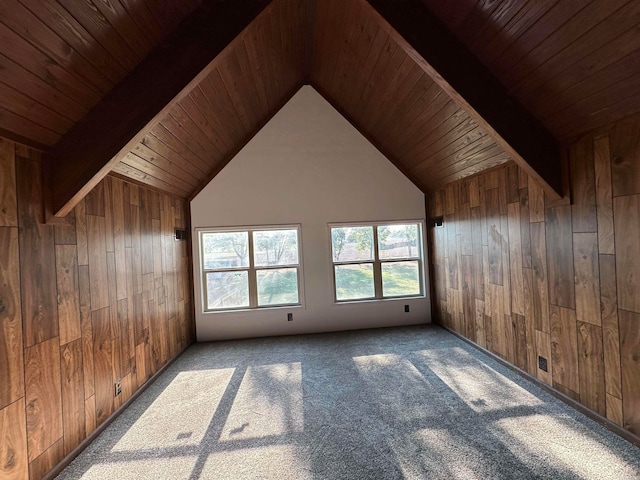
83 80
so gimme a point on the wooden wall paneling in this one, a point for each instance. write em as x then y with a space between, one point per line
625 153
141 367
494 237
63 386
591 367
525 233
81 232
146 231
610 327
117 212
126 342
43 396
614 410
626 212
68 300
37 254
108 215
530 327
515 259
97 247
498 335
136 248
73 397
8 202
103 358
13 448
506 278
587 277
84 299
95 201
604 201
11 343
540 288
481 336
512 183
65 231
478 267
559 241
468 297
630 361
583 208
520 341
39 467
543 348
463 225
536 201
132 320
573 295
114 320
564 351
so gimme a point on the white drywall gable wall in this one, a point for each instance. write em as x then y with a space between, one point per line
307 166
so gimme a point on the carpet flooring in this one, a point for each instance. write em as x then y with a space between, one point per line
406 402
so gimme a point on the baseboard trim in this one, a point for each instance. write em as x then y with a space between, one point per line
101 428
605 422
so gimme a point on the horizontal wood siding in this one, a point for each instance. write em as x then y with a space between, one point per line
357 65
78 284
580 298
574 65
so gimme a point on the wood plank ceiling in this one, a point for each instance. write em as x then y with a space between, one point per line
574 65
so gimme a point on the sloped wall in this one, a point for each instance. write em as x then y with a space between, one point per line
105 298
307 166
523 276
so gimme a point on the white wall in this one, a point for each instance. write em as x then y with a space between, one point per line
307 166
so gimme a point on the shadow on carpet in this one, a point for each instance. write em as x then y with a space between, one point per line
407 402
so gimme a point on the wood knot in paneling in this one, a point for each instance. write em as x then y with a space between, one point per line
10 460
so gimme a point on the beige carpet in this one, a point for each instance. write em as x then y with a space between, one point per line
410 402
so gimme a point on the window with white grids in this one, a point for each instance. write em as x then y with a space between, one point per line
377 261
253 267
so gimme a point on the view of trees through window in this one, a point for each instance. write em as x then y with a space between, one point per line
376 261
250 268
260 267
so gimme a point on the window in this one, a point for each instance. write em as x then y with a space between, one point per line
377 261
250 267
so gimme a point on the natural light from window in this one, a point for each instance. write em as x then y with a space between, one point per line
377 261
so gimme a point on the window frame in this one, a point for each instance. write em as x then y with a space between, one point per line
377 262
251 269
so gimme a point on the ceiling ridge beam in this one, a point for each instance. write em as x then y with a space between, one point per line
469 83
90 149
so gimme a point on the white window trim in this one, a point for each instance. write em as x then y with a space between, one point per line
251 269
377 262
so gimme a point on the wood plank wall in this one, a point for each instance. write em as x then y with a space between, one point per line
524 277
105 298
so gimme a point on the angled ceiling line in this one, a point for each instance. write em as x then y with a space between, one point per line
464 79
90 149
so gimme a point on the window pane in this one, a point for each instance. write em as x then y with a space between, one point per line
277 286
400 278
354 281
275 247
352 244
225 250
227 289
398 241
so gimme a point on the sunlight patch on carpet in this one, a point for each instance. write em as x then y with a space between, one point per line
181 414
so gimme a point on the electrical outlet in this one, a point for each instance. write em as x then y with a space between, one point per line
542 363
118 389
406 309
289 317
